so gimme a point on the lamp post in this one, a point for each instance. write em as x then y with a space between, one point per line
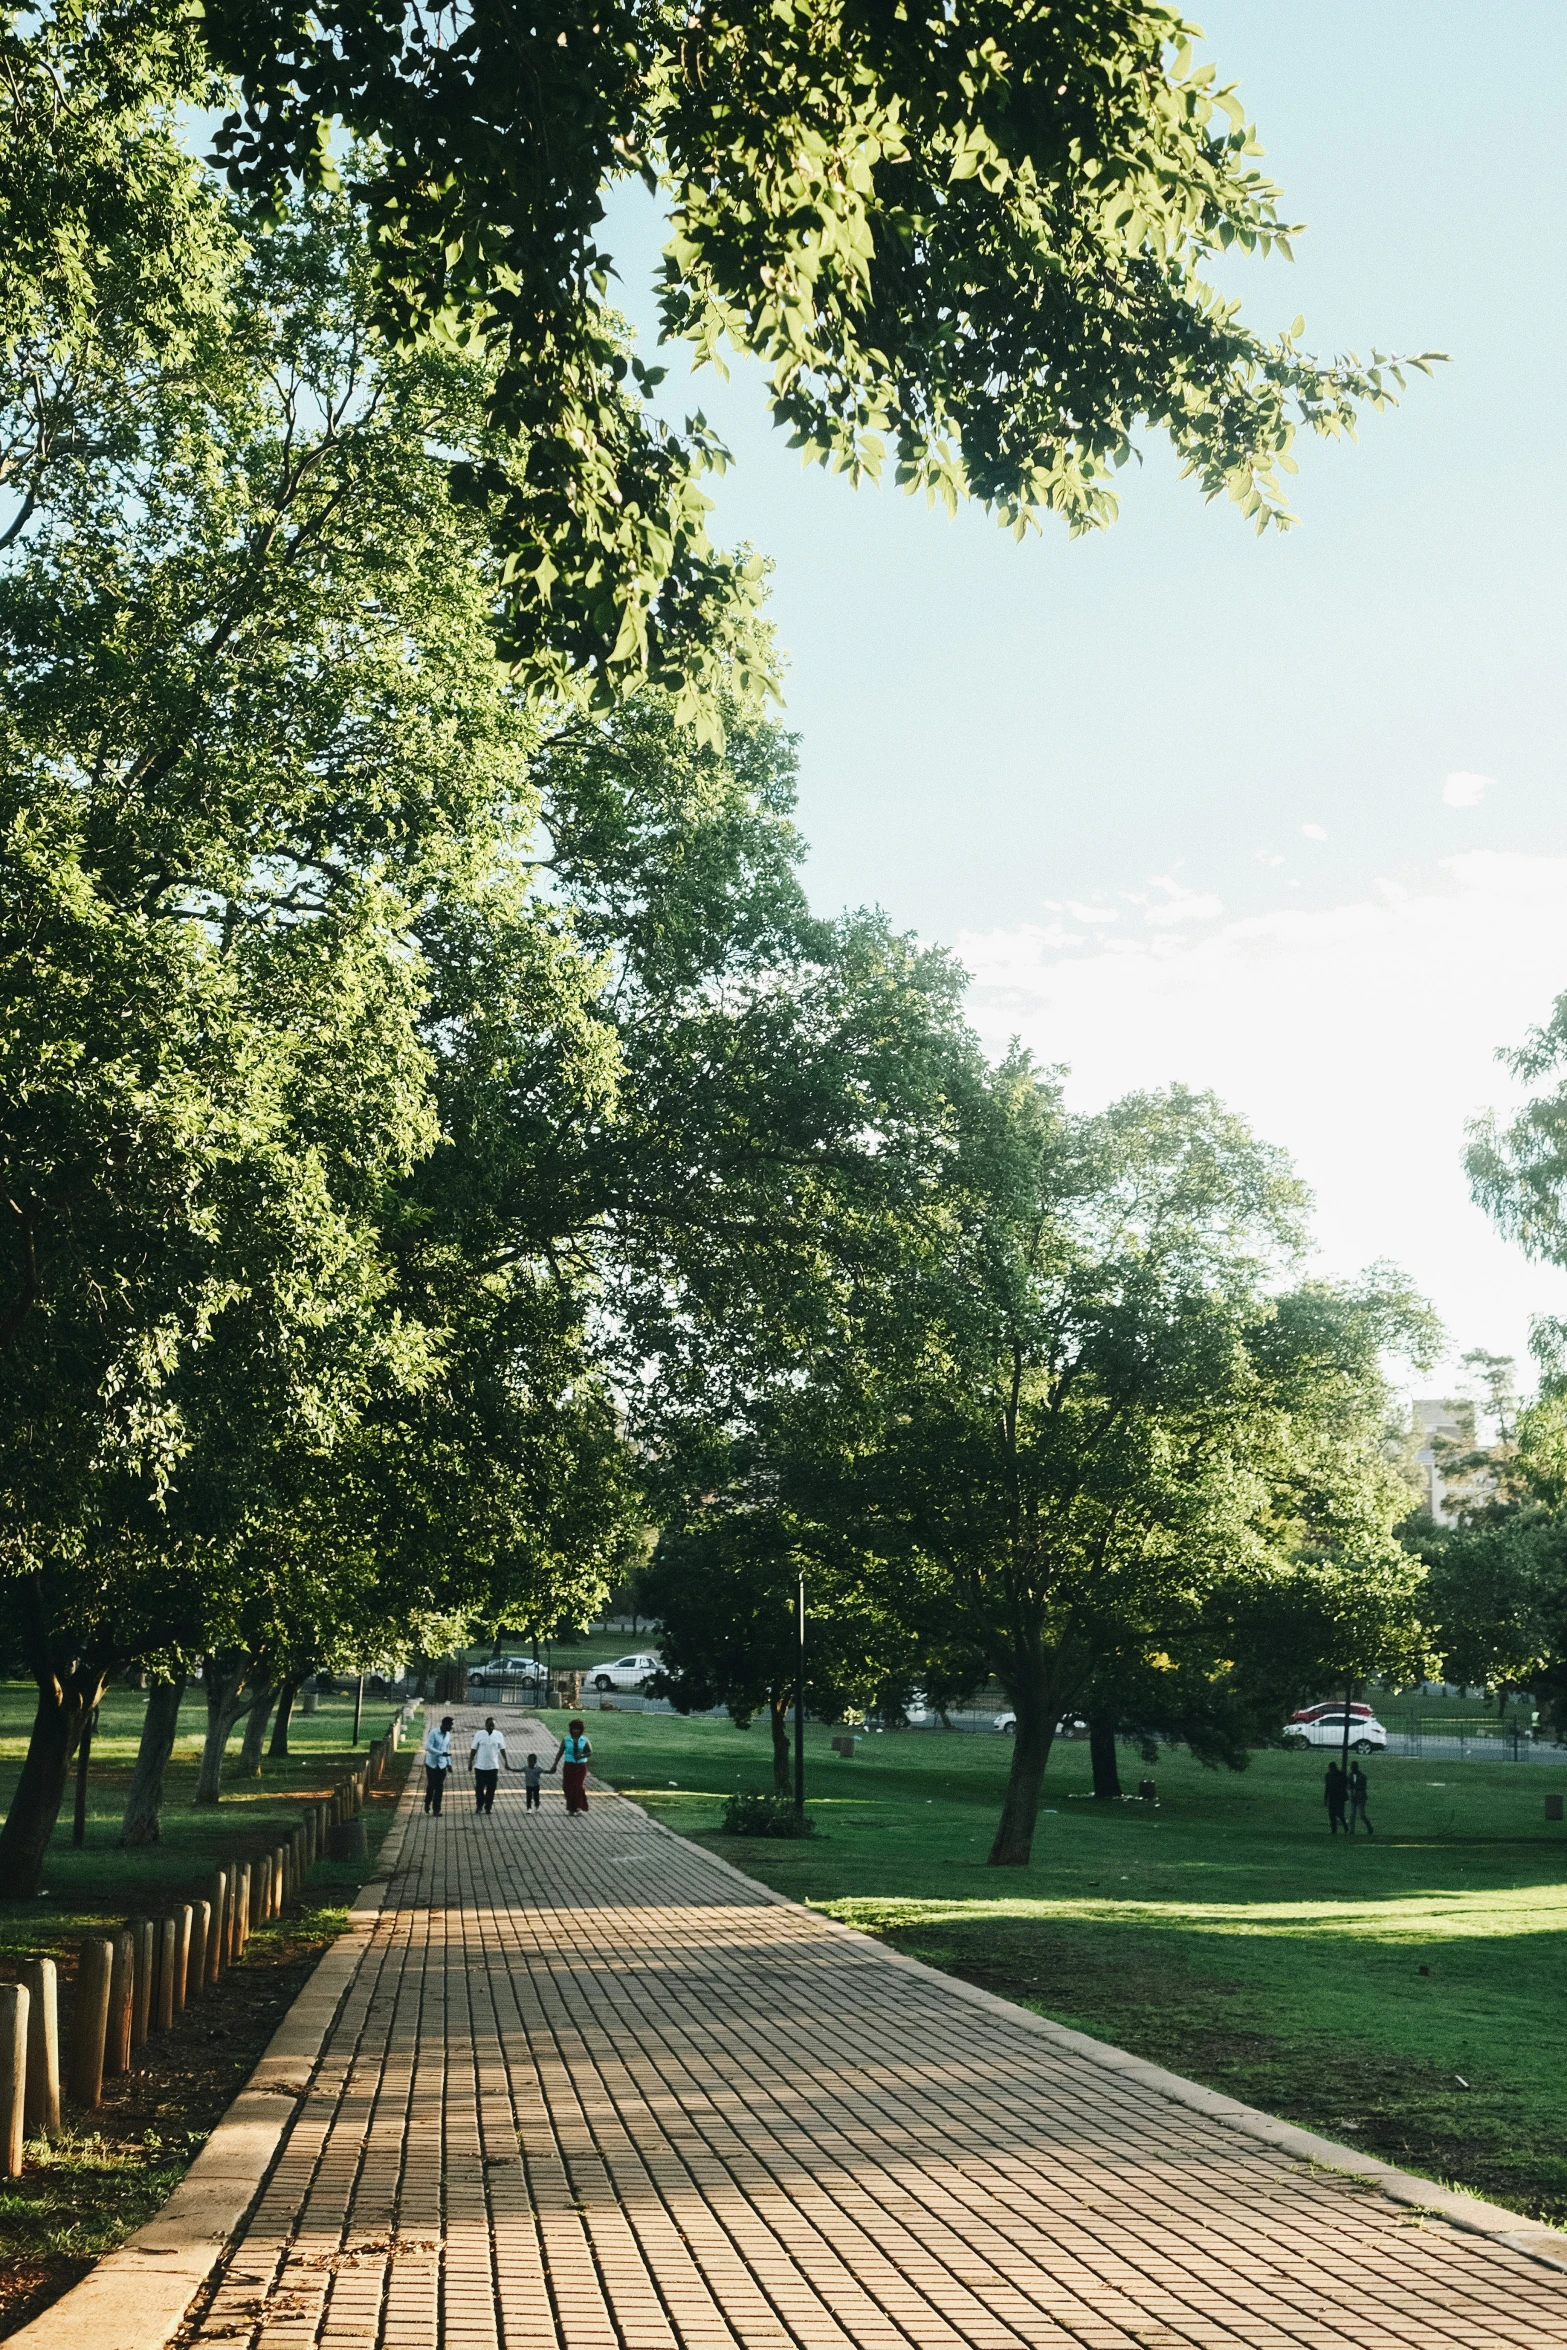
359 1705
799 1703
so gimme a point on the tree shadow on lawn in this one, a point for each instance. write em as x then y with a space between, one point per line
1224 2011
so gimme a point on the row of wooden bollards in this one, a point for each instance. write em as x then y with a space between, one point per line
136 1983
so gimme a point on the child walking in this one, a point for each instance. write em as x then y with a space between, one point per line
532 1778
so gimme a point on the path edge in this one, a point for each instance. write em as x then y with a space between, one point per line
1532 2238
136 2297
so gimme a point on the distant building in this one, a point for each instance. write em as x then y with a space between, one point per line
1443 1423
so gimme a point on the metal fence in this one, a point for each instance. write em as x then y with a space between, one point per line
1437 1738
1432 1737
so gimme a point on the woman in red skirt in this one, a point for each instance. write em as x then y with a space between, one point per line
574 1753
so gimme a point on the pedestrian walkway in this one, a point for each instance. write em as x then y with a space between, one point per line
590 2090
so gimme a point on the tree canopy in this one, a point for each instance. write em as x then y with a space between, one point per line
967 244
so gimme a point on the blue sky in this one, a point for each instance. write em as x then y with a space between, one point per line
1177 794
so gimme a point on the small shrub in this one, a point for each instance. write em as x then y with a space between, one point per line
764 1815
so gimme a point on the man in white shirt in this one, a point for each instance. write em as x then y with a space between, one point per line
486 1754
437 1762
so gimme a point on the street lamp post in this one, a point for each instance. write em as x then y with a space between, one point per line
799 1703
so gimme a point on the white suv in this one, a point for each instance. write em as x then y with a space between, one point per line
1366 1734
627 1672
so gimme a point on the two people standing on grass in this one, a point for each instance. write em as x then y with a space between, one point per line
1346 1795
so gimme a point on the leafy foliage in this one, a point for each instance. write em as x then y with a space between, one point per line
973 237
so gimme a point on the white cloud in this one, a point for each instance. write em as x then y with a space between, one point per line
1269 857
1463 790
1358 1036
1312 832
1178 904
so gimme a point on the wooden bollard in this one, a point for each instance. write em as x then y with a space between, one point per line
218 1930
196 1972
261 1888
244 1894
182 1918
141 2009
90 2022
233 1942
14 2004
41 2106
279 1880
168 1947
308 1833
122 2004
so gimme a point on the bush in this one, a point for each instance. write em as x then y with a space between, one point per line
764 1815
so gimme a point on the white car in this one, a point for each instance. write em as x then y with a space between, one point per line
1366 1734
507 1668
1069 1726
627 1672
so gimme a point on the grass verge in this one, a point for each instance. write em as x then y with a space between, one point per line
1400 1993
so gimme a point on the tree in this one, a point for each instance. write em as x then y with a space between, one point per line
723 1586
969 241
254 732
1103 1415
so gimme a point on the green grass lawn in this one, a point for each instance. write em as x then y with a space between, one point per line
1354 1987
101 1883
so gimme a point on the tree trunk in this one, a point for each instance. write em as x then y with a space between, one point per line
65 1704
255 1730
1020 1809
778 1718
225 1703
287 1692
1101 1753
141 1823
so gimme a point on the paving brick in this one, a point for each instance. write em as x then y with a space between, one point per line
589 2091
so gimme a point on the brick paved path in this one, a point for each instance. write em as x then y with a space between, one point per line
588 2091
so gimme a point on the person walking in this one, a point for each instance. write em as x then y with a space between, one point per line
532 1780
572 1756
1333 1794
437 1762
1358 1791
487 1754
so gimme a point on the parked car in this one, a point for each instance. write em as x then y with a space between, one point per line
627 1672
1333 1705
1069 1726
508 1668
1366 1734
